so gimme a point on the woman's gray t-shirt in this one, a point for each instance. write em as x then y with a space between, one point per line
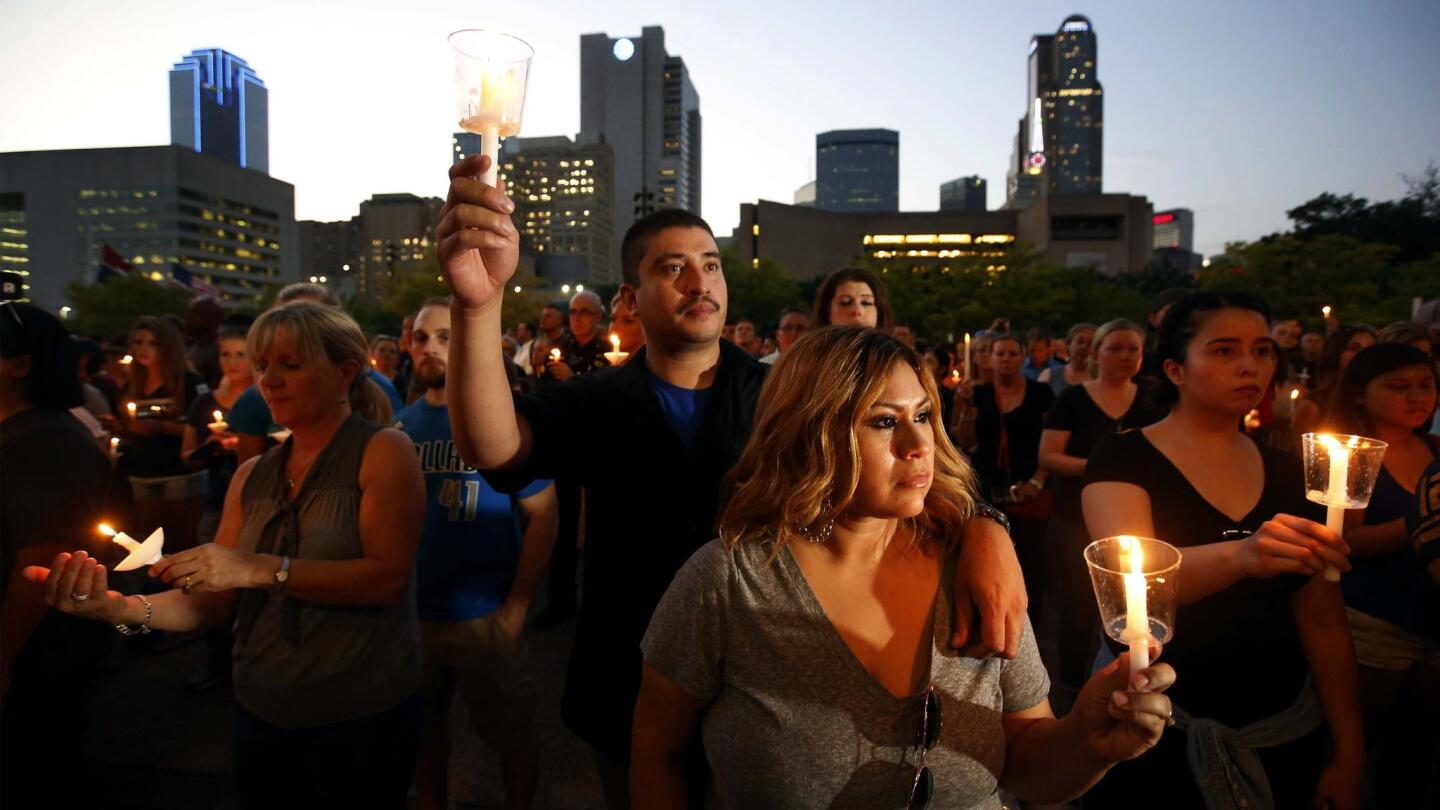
794 719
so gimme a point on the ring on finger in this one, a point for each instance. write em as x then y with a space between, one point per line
79 597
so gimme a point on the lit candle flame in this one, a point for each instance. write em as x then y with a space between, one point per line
555 355
104 528
130 406
1294 394
114 443
127 360
615 341
1325 310
219 417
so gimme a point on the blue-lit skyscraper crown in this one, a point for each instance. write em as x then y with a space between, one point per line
219 107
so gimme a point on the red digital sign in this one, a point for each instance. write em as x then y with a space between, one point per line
1161 219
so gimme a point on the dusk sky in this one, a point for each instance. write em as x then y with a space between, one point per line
1237 110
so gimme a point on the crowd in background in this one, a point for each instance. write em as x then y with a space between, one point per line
286 460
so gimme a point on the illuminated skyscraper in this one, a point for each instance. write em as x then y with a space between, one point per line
1059 148
219 107
963 194
639 99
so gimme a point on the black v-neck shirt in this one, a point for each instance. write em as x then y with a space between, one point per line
1236 653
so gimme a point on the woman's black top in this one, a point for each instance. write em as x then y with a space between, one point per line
158 454
1075 411
1021 435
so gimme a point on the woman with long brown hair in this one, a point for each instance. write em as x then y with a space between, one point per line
312 562
851 296
807 643
151 424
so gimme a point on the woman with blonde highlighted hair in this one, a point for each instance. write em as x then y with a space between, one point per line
807 645
312 562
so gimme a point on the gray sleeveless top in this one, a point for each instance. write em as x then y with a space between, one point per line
300 664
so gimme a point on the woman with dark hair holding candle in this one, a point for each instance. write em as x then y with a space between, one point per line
312 562
1255 627
1388 393
806 645
1335 355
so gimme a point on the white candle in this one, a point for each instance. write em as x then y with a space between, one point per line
1325 310
1137 616
1336 492
219 425
140 554
615 356
130 406
114 448
967 357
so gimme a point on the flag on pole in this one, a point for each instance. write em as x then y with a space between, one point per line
190 281
113 261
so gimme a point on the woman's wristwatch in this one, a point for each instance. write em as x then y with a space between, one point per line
990 513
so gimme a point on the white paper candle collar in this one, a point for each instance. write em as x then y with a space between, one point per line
140 554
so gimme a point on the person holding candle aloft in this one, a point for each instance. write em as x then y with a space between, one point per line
313 563
625 324
1255 626
1388 392
1080 417
684 405
53 480
816 624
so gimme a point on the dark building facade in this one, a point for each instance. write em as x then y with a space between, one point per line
857 170
1059 148
963 194
158 207
1109 232
220 108
640 100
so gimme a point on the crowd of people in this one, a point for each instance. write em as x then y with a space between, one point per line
811 562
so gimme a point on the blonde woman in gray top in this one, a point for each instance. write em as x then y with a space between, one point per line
312 562
806 647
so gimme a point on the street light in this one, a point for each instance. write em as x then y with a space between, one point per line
314 279
565 288
322 279
345 267
65 312
579 288
518 288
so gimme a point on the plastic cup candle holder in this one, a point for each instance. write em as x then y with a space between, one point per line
491 70
1136 581
1340 472
219 425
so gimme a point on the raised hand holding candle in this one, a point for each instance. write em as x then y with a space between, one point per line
1340 472
491 70
140 554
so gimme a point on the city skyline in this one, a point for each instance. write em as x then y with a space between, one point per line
1340 87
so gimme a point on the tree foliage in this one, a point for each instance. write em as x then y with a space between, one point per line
109 309
758 292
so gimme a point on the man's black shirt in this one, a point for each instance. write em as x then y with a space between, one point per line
650 504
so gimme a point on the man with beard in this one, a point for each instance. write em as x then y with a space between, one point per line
474 580
681 411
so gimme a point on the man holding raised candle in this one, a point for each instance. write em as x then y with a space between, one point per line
683 405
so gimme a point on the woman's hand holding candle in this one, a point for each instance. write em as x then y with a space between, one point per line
1121 715
209 568
1287 544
